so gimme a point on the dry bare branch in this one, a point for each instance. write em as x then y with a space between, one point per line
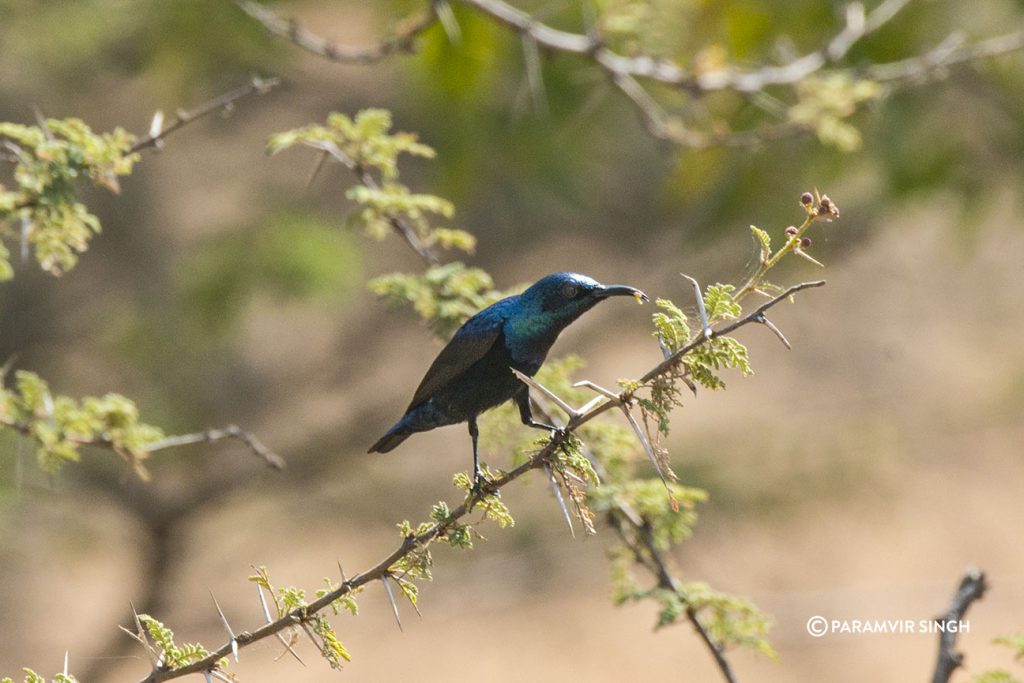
972 587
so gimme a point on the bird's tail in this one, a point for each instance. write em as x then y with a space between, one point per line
395 436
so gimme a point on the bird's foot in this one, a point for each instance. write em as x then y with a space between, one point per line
482 486
559 433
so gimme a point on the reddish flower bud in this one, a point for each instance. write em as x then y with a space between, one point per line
791 230
805 243
806 198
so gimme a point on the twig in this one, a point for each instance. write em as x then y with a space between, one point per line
209 436
291 30
398 224
656 563
415 543
950 52
212 435
972 587
157 134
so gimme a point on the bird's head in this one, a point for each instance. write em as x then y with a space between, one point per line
555 301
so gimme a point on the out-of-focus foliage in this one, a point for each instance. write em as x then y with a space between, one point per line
44 211
366 144
444 296
1014 642
291 256
32 677
59 425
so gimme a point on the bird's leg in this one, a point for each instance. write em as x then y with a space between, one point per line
478 475
526 413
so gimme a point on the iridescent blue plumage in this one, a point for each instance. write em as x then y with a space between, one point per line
472 373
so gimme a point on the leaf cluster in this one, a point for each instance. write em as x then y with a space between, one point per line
292 600
171 655
60 425
367 146
445 296
32 677
43 211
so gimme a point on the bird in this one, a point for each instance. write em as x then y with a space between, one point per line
473 373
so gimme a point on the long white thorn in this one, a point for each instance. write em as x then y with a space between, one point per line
607 393
771 326
643 442
531 382
704 325
266 615
448 21
142 638
558 497
227 627
391 596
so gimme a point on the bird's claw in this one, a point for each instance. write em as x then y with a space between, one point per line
482 486
559 433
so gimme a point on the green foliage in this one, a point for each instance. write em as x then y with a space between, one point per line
345 602
720 304
289 256
995 676
824 102
292 600
366 140
727 618
764 242
457 535
1015 642
173 656
59 425
490 504
44 211
331 648
669 512
444 296
671 325
720 353
32 677
366 145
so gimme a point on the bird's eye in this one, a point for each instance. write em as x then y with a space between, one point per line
570 291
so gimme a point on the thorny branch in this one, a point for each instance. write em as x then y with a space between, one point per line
628 72
417 543
403 41
225 102
972 587
154 139
400 226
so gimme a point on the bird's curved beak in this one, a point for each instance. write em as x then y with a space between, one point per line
620 290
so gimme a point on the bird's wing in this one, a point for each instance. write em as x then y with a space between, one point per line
471 343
